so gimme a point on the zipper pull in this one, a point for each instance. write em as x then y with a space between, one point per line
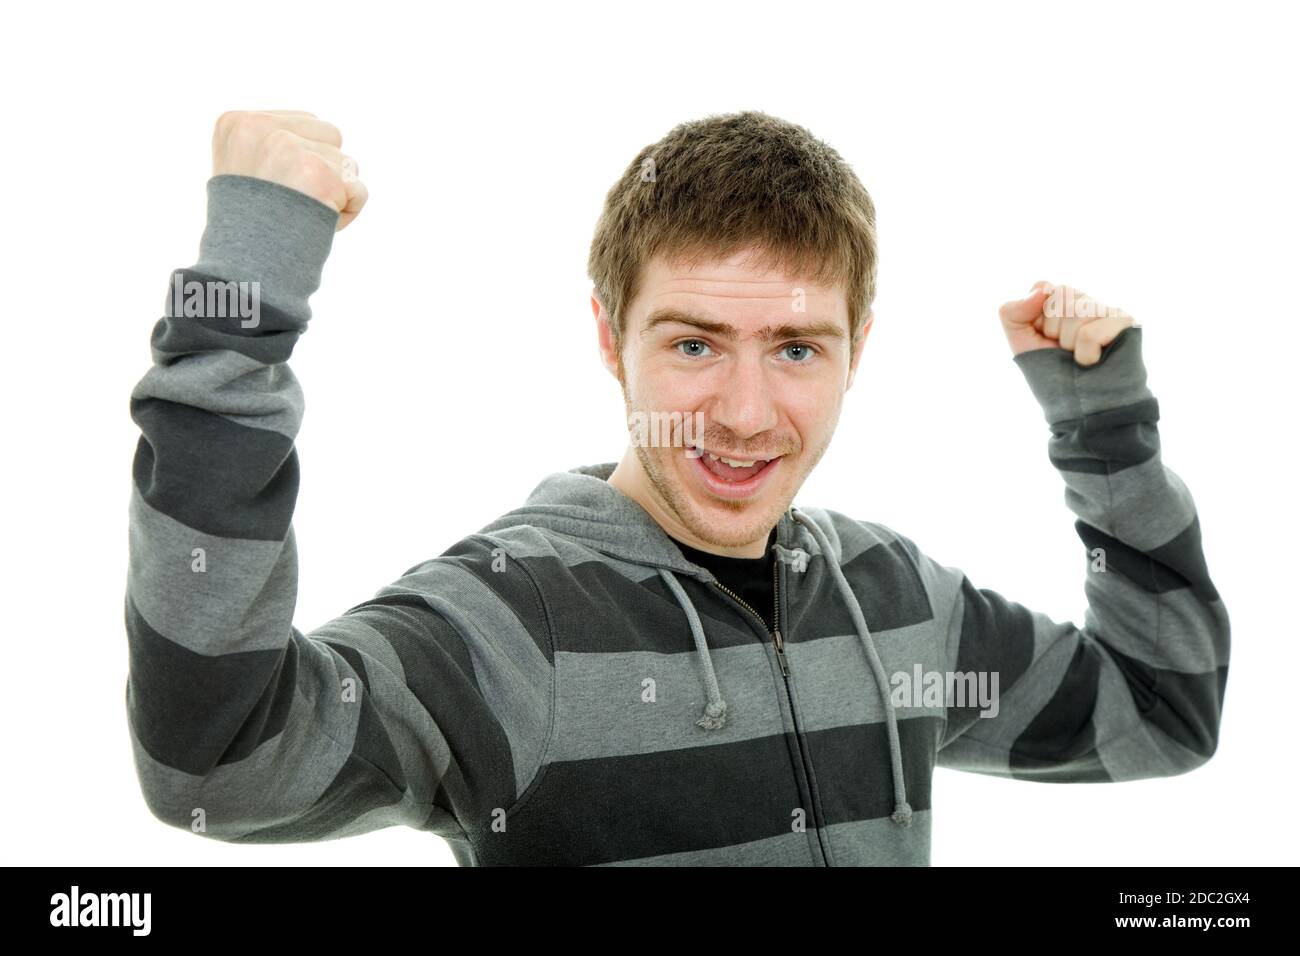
780 652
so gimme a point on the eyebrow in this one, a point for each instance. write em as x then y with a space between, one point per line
768 333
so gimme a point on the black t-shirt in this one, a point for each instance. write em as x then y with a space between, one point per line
751 578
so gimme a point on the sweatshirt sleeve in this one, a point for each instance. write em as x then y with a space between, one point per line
1138 690
244 728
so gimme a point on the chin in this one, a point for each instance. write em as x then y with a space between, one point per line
711 517
733 523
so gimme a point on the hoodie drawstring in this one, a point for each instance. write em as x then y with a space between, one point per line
715 710
902 814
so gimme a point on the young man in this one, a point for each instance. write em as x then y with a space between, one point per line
663 661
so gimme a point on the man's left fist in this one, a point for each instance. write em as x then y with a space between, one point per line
1064 317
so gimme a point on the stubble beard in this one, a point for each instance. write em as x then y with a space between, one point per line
654 462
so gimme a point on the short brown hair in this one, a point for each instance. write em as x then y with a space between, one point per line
713 186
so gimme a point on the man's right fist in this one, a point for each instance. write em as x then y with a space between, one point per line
294 149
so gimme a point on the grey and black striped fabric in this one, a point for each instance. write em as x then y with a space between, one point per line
534 694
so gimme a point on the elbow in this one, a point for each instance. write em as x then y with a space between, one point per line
1192 720
171 796
175 797
168 806
182 807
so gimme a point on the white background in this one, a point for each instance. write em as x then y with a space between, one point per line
1145 153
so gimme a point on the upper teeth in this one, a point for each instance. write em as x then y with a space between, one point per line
731 461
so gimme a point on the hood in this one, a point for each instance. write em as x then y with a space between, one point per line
581 505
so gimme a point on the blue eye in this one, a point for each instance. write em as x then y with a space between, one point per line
809 351
694 348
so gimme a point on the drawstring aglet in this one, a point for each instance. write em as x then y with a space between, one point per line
715 715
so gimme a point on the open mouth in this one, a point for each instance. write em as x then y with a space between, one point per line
734 469
726 477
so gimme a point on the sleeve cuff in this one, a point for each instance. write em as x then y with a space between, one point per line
1067 390
262 231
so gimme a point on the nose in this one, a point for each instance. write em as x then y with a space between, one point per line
744 403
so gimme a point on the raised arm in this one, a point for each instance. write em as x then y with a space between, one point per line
243 727
1138 690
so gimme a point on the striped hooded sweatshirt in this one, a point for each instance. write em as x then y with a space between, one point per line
564 687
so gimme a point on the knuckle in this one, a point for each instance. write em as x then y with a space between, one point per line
226 126
238 122
229 119
280 141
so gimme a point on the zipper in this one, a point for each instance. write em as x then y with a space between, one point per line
779 642
776 615
776 632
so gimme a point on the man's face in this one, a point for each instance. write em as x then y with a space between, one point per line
765 358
